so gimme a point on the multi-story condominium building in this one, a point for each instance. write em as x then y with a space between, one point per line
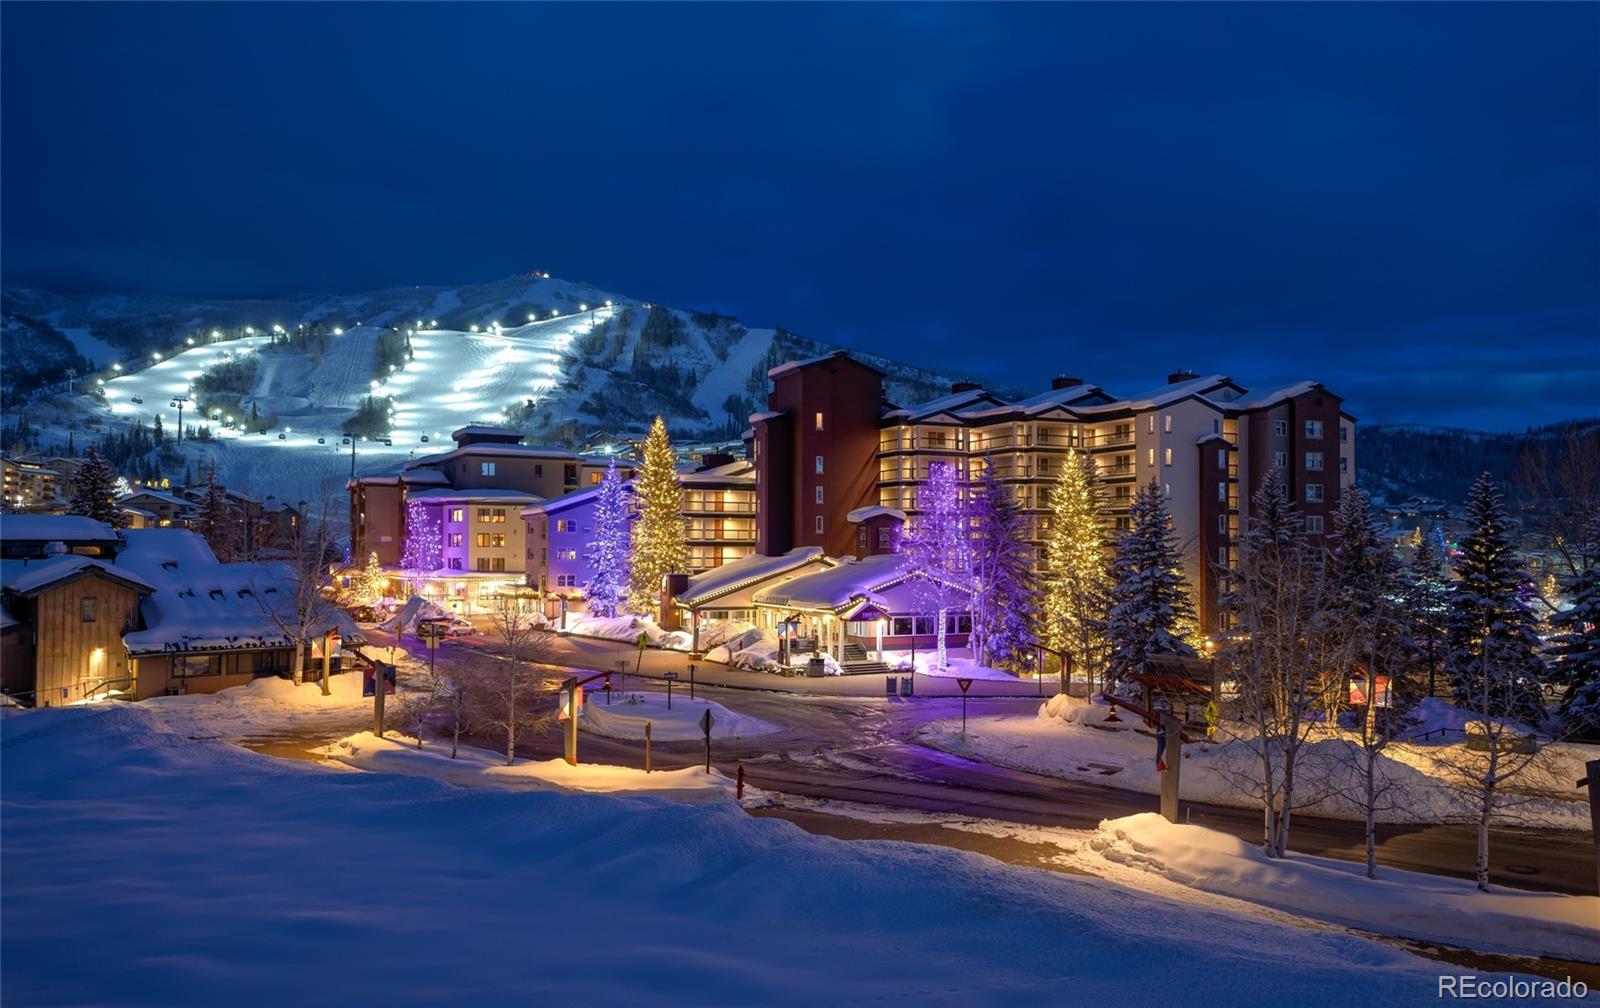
1205 441
29 486
719 505
485 458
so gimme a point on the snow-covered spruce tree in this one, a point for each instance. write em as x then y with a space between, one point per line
1151 612
1076 579
1366 582
937 551
1495 671
1492 650
1286 653
1004 594
1575 651
216 521
94 490
607 554
659 542
1425 595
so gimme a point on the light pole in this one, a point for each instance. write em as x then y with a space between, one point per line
178 402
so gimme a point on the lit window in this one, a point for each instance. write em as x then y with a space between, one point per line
486 468
458 514
1167 423
1150 456
819 421
567 554
1167 455
454 539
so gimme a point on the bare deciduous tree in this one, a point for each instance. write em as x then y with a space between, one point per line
290 591
502 694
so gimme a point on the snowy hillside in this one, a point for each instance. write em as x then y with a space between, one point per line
561 361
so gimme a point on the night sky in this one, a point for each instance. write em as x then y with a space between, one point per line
1403 202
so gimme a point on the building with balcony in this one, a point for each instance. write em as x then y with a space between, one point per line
31 486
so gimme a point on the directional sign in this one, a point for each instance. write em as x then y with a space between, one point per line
965 685
669 675
705 722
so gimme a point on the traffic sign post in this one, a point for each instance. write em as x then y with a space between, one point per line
691 680
670 677
705 726
647 747
965 685
1169 761
568 713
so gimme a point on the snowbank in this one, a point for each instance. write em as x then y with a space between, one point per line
719 632
1068 738
753 649
483 768
958 667
627 714
293 879
622 628
268 706
1408 904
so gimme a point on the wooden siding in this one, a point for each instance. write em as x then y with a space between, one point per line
75 658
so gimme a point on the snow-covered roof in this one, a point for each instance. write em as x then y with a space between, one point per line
201 604
565 501
787 367
836 588
485 430
737 472
55 528
25 577
763 417
471 495
863 514
491 449
160 495
1277 395
720 582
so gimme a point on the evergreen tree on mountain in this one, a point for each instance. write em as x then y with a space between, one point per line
659 543
1151 611
94 490
1491 648
1575 651
216 521
1005 593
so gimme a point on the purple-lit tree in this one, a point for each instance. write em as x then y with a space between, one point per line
1004 589
609 556
938 549
423 543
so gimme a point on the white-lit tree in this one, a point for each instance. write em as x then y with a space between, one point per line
937 551
424 545
1005 592
608 555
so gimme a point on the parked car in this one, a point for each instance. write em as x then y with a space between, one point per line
446 626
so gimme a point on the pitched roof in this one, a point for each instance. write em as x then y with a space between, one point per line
836 587
468 495
24 577
719 582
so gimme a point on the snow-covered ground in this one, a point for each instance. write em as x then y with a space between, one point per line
482 768
270 706
1403 903
1068 739
628 712
146 868
958 665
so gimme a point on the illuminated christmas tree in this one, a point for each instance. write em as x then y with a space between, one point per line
1005 592
1077 584
423 543
369 585
608 555
659 542
938 550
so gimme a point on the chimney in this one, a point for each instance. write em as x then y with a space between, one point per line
1064 381
964 385
1181 375
710 460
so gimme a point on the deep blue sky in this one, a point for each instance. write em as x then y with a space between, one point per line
1401 201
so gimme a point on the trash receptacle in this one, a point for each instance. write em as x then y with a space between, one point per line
816 667
905 685
888 685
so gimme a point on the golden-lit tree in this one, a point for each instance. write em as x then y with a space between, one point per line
659 542
1076 583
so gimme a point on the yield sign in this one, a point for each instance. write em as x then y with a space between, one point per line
965 685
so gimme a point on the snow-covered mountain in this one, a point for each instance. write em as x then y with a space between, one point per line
597 367
562 361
